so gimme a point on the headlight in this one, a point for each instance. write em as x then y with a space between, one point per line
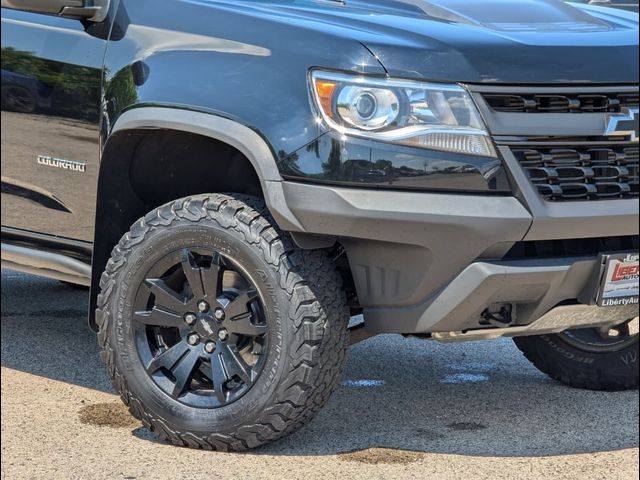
426 115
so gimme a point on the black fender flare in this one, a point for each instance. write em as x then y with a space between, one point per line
243 138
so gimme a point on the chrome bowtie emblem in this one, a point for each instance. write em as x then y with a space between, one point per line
623 123
206 326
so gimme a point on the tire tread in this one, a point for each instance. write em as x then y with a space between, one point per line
319 316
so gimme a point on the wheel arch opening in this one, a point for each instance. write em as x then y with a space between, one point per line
142 169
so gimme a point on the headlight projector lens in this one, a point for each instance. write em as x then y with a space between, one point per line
366 105
368 108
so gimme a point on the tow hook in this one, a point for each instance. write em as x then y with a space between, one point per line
501 318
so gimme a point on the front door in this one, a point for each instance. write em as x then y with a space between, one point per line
51 83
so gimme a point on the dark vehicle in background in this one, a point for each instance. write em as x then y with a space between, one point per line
23 93
236 180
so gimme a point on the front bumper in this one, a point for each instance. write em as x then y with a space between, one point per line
431 262
428 262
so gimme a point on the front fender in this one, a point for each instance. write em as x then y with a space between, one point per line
237 61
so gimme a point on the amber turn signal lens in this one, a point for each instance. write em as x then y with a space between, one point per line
324 90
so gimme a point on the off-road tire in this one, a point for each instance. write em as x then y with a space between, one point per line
562 361
311 312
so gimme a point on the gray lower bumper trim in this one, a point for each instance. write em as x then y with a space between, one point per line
532 287
420 259
45 264
406 217
559 319
403 246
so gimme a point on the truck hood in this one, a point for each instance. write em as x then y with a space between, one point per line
488 41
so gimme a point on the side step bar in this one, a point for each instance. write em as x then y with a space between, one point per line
45 264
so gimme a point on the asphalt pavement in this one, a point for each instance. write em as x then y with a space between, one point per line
406 408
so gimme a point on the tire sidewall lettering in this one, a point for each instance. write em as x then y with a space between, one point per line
567 354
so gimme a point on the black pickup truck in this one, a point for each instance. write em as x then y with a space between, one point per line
238 182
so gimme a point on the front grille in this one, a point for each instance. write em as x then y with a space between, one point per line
561 103
590 172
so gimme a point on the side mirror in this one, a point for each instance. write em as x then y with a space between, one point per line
91 10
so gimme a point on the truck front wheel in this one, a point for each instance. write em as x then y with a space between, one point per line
216 330
591 358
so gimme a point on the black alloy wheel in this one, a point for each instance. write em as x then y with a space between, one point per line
605 339
200 328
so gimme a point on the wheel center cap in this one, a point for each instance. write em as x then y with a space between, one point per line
206 327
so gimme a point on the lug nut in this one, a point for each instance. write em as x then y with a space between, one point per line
209 347
223 334
193 338
190 318
219 314
203 306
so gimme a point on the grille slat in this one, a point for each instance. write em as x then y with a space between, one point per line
561 103
581 173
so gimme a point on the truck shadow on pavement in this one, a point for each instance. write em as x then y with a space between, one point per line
480 399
